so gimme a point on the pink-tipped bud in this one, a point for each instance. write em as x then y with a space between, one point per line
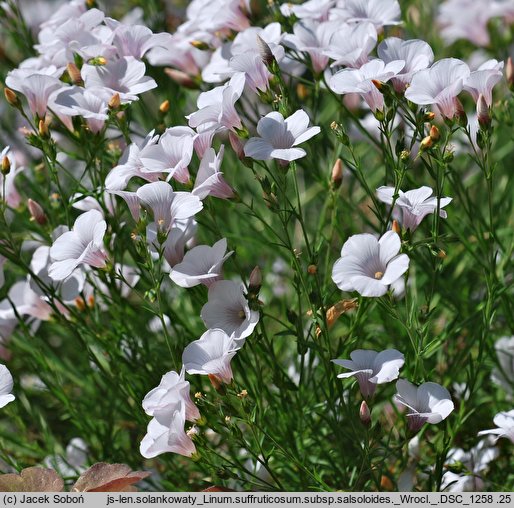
460 113
483 112
336 178
181 78
509 73
237 145
37 213
435 135
365 414
379 85
396 227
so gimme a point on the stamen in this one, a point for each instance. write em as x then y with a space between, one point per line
379 275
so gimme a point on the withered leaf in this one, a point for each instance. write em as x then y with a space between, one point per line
32 479
102 477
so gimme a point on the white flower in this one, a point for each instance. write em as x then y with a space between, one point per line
172 154
125 76
172 388
165 433
311 9
413 206
209 180
368 265
372 368
201 265
6 384
130 165
350 45
74 460
504 422
136 40
88 103
361 80
211 355
475 461
216 108
428 403
68 289
439 85
228 309
503 374
83 245
171 213
416 54
23 301
279 138
379 12
312 37
483 80
37 88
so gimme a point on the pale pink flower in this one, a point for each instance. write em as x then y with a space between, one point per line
136 40
23 301
130 165
350 45
125 76
172 213
504 422
279 138
211 354
88 103
209 180
37 88
201 265
368 265
439 85
83 245
216 108
255 72
227 308
428 403
483 80
165 433
379 12
313 37
171 154
311 9
172 388
372 368
503 373
413 206
416 54
6 384
361 81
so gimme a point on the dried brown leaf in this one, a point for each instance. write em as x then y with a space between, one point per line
102 477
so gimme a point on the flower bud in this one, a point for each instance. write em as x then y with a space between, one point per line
42 128
11 98
435 135
115 101
302 91
404 155
312 269
460 114
265 52
340 133
448 156
202 46
509 73
181 78
483 113
428 116
217 384
426 143
365 414
80 304
255 281
6 165
164 107
396 227
37 213
97 60
379 85
336 178
74 74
